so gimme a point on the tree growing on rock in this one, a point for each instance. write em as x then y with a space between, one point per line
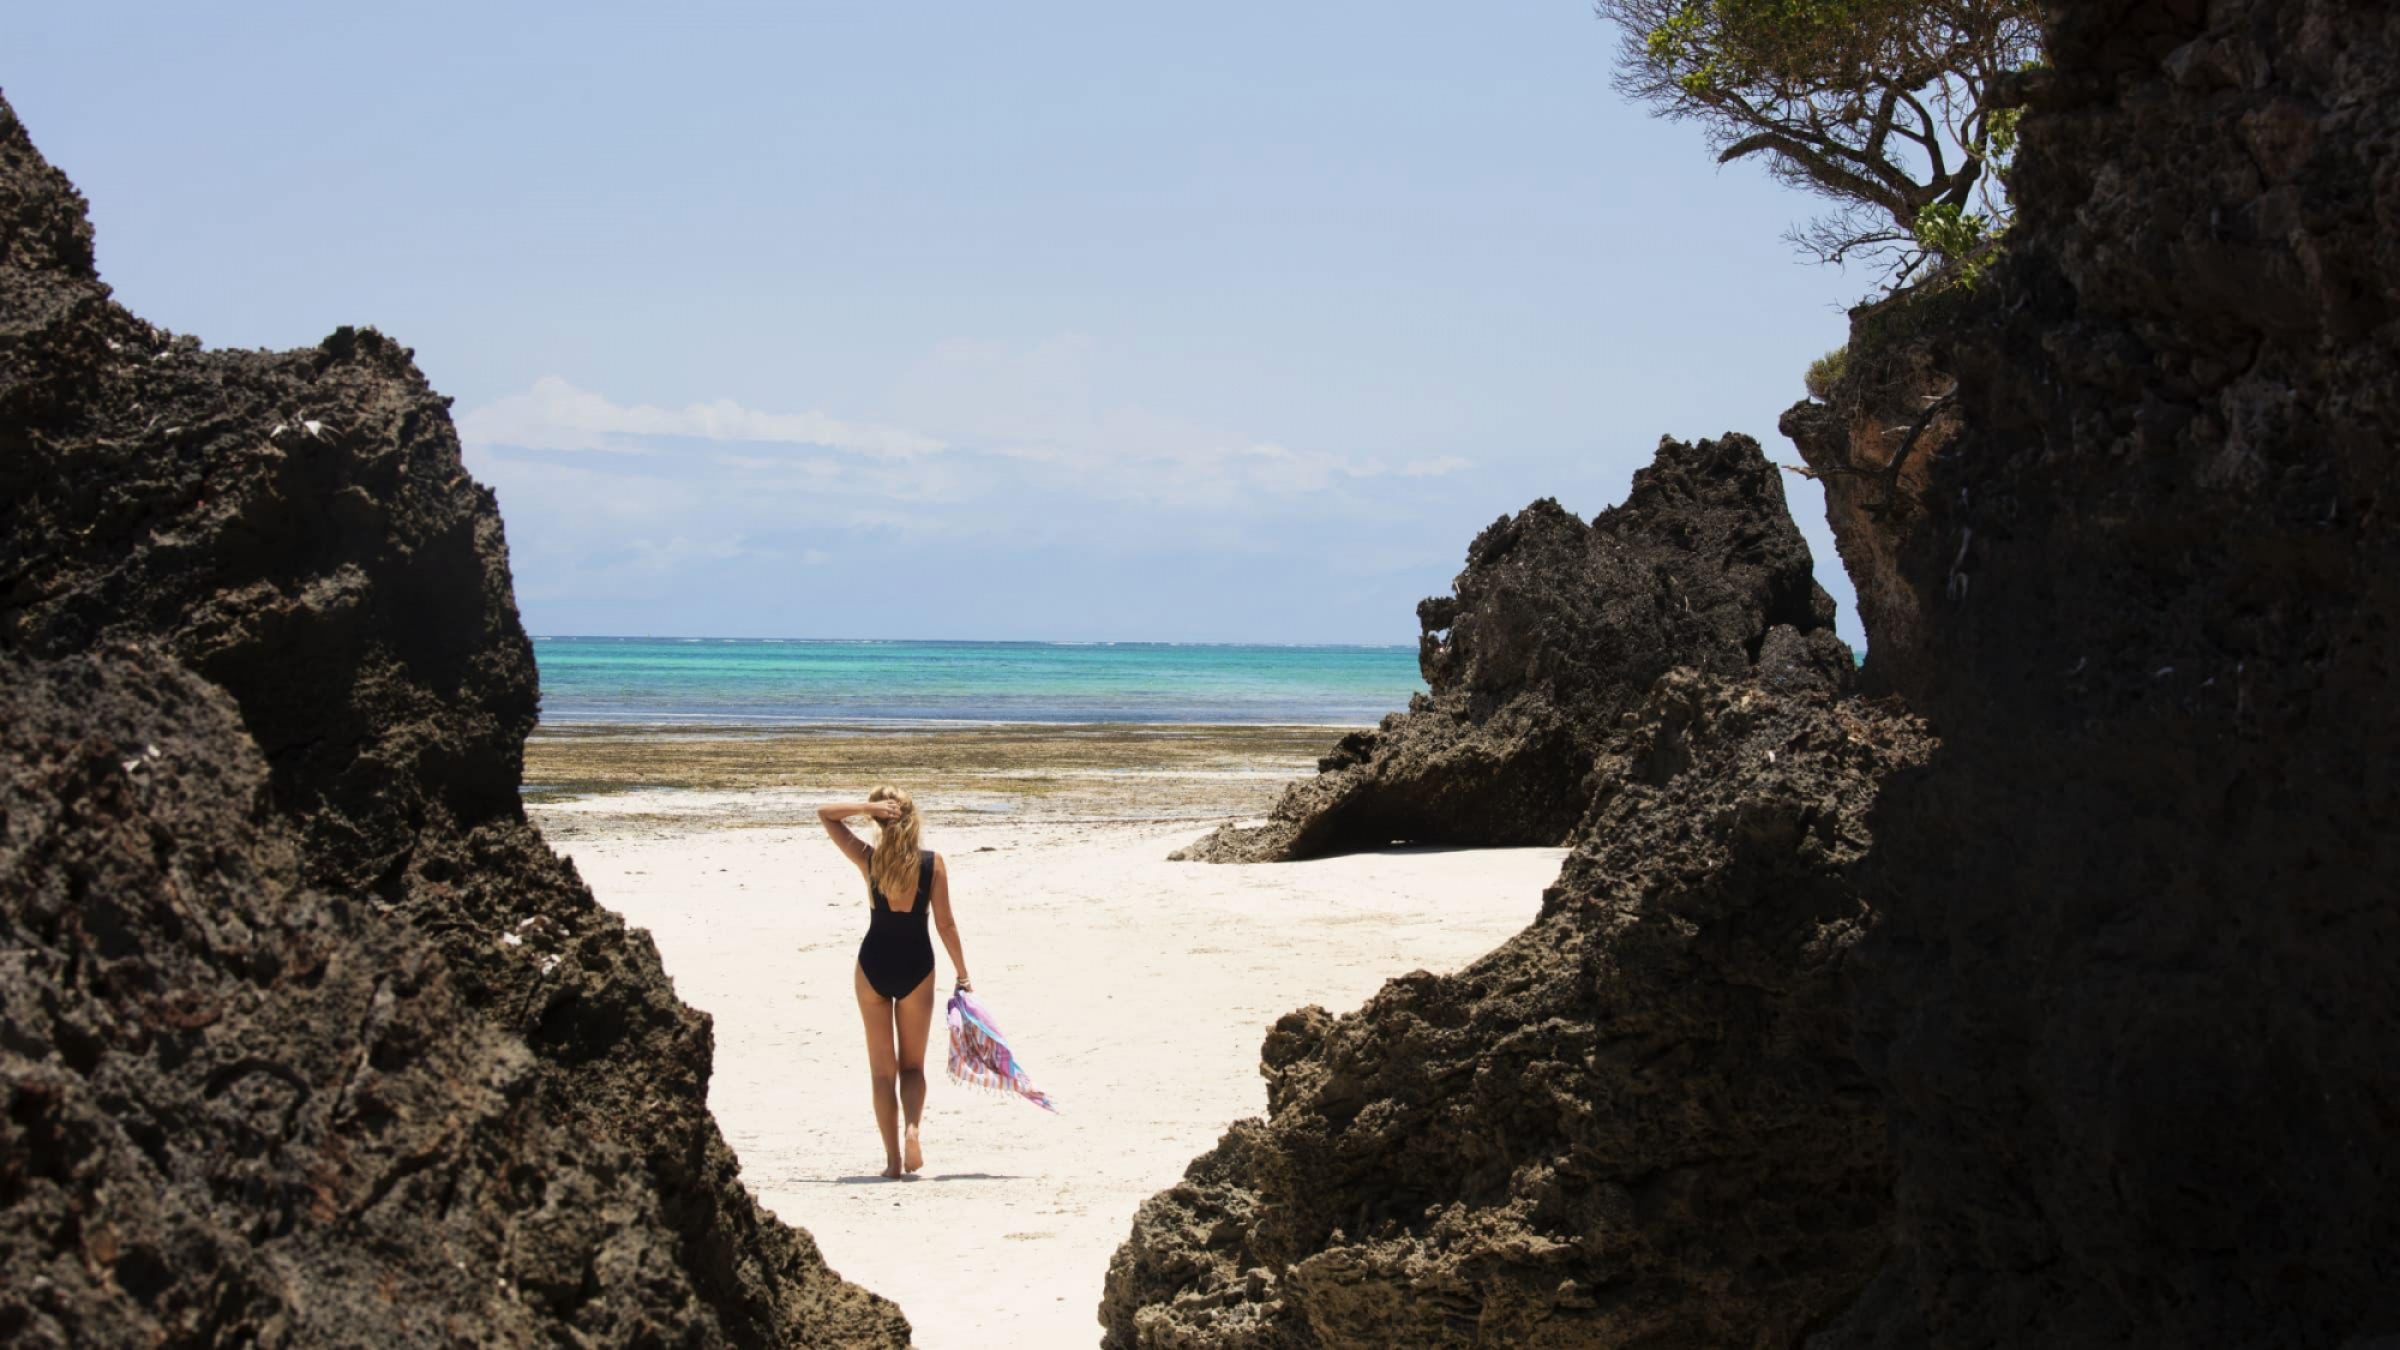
1882 105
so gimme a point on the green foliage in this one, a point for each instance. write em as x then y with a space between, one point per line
1722 46
1952 231
1960 238
2003 124
1879 105
1825 374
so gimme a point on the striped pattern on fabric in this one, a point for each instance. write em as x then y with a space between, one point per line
980 1056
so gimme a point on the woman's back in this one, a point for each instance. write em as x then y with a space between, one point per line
917 905
897 955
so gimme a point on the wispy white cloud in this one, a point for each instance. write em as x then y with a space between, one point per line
1044 403
988 454
995 414
556 414
609 497
654 557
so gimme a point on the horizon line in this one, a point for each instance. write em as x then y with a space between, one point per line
993 642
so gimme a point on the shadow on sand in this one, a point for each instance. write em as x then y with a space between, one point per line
873 1178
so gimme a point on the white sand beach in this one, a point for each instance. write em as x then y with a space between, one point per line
1137 989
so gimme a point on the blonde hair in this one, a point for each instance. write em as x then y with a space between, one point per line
894 868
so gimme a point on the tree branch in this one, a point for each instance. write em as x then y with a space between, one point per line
1831 176
1878 106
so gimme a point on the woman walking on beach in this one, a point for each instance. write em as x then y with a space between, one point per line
894 977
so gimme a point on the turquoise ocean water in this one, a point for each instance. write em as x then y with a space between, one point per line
768 681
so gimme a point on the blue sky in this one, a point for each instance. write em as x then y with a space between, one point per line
1072 321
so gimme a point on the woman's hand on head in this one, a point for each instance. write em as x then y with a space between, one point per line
883 811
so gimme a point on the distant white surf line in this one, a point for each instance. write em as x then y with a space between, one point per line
695 724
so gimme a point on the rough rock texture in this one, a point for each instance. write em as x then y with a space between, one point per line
1873 447
1635 1123
2131 999
2124 995
1556 627
308 1038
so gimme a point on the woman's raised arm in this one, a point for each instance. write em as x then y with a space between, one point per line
854 848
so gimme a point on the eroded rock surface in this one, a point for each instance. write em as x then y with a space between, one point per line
309 1038
2130 998
1556 628
1635 1123
2120 987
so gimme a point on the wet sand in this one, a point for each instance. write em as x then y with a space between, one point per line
669 779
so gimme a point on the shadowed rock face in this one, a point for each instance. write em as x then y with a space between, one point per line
2131 997
1556 628
1636 1123
309 1037
2121 993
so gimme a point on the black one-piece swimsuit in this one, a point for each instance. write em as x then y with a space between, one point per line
898 952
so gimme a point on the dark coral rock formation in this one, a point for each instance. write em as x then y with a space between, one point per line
2121 518
1556 627
308 1038
1635 1123
2131 998
1873 448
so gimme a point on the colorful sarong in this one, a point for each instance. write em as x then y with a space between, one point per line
980 1057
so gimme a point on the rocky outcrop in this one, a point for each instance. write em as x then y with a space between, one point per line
1636 1123
309 1038
1872 448
2130 997
2120 516
1556 628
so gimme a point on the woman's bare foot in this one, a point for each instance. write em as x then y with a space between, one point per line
891 1170
916 1155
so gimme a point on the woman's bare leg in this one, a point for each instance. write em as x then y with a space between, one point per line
915 1017
876 1011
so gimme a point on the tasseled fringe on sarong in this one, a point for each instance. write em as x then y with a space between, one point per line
980 1057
